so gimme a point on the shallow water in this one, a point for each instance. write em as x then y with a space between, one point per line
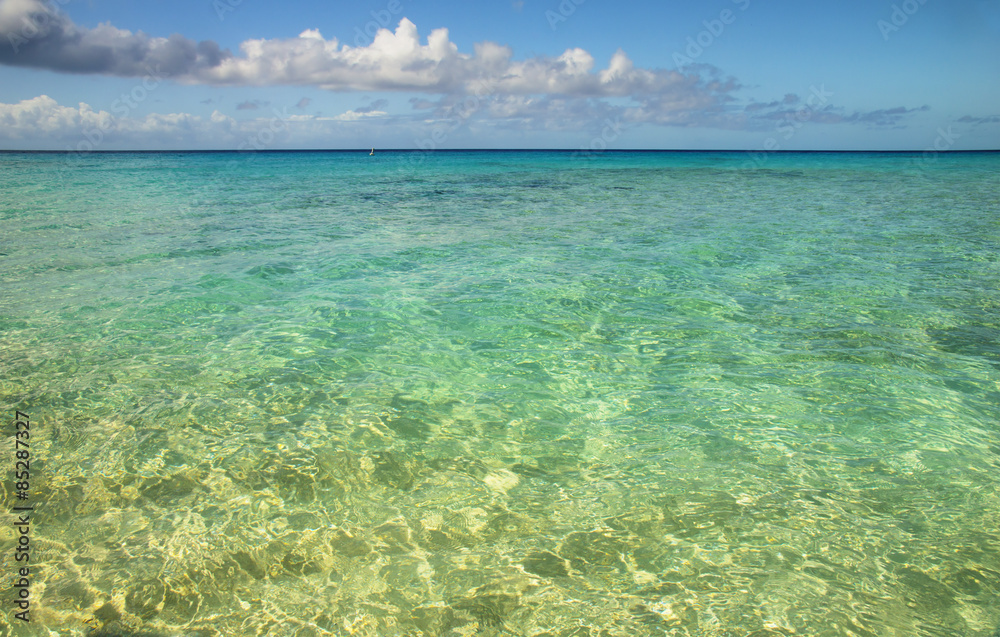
505 393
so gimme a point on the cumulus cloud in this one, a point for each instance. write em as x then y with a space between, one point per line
84 129
393 61
355 115
43 115
35 34
568 91
42 123
42 37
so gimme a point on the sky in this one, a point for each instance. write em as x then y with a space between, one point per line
90 75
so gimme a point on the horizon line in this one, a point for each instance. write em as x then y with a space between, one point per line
541 150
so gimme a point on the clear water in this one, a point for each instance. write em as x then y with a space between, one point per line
505 393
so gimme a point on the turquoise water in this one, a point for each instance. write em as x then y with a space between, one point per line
505 393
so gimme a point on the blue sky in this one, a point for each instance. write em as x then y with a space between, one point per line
577 74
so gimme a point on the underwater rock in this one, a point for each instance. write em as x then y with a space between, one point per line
489 609
107 613
395 536
76 590
114 629
347 544
469 466
172 487
297 564
395 471
304 520
585 550
409 427
493 603
432 620
249 564
146 598
546 564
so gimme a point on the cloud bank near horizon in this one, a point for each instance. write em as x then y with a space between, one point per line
565 92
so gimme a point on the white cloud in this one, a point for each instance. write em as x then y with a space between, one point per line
398 61
393 61
82 128
351 116
41 123
37 35
569 92
43 116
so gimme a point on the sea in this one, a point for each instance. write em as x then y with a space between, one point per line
499 393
